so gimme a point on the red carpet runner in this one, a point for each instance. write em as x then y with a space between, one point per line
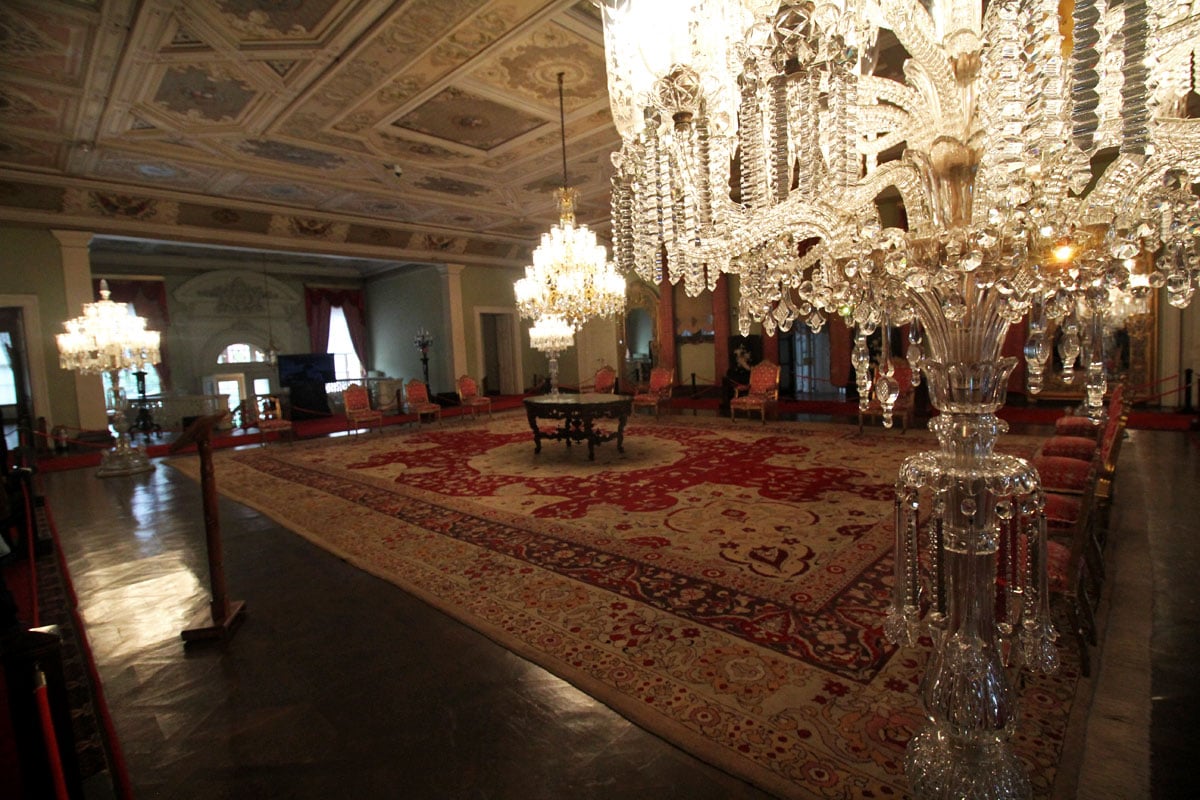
722 585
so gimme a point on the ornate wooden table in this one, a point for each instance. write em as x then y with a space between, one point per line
578 411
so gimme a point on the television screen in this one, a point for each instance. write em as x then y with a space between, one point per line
306 368
305 376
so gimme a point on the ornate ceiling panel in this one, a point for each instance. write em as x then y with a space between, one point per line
378 127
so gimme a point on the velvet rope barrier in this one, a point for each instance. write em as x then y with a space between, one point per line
42 697
118 766
31 548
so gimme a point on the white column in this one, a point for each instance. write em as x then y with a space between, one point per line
453 303
77 279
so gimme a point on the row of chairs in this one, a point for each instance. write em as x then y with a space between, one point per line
760 394
413 398
1077 466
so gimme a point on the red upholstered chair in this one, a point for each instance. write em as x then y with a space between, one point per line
662 382
1069 567
469 396
1084 426
1085 447
416 401
359 413
903 375
605 381
270 419
761 393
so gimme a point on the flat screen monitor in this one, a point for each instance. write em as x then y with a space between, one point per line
305 376
306 368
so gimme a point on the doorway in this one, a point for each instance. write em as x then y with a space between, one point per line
812 363
499 357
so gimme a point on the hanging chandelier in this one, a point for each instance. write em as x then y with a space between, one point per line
953 167
107 339
571 276
551 335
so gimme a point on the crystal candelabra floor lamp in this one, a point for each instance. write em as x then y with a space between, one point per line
105 340
944 167
571 279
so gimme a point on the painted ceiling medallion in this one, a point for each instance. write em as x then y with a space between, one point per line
278 151
193 92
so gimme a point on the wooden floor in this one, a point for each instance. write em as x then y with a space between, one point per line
340 685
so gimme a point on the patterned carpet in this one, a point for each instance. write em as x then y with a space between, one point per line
722 585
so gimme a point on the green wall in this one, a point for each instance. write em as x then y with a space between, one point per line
31 264
397 305
492 287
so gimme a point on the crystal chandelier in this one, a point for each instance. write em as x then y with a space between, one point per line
951 167
551 335
107 339
571 276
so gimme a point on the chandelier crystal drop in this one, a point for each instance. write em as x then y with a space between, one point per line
105 340
571 277
954 167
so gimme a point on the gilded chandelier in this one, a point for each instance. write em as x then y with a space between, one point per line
571 277
950 168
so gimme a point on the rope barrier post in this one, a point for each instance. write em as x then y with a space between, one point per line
39 709
49 739
1187 391
224 613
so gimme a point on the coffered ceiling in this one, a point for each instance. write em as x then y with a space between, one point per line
418 130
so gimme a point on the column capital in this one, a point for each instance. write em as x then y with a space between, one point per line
451 270
67 238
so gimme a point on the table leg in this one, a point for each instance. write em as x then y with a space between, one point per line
621 432
537 433
591 439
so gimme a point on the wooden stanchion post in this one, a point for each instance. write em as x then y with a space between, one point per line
224 613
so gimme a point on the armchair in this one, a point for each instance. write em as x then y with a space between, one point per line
762 391
359 413
469 396
270 418
903 375
416 401
605 381
662 382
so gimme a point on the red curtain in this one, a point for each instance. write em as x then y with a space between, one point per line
317 304
149 300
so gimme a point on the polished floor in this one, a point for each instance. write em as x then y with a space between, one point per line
339 685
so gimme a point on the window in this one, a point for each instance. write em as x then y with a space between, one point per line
345 362
242 353
8 381
262 386
128 382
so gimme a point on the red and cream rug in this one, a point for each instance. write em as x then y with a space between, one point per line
721 585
